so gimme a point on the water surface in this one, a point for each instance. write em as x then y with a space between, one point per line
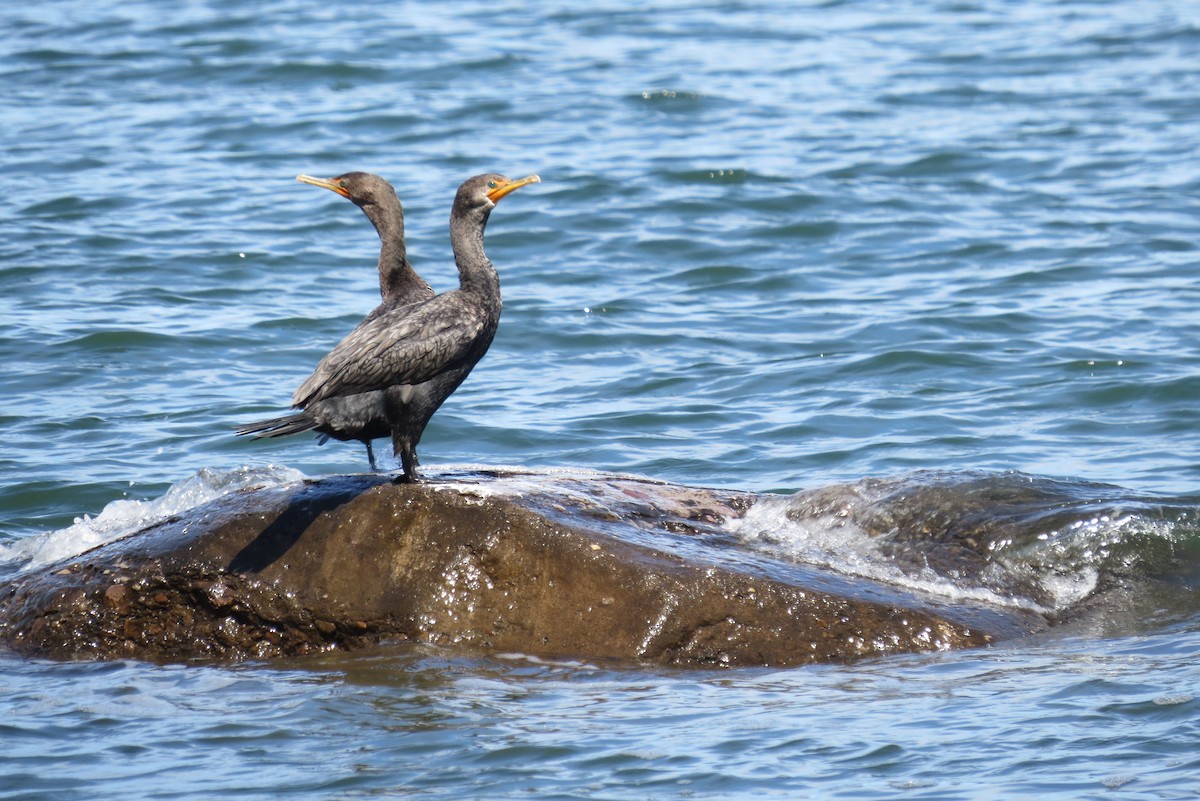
776 248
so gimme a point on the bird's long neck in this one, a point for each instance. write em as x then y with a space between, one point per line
475 271
397 278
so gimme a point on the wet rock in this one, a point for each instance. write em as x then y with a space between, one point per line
116 598
590 566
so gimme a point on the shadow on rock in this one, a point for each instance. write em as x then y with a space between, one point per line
278 537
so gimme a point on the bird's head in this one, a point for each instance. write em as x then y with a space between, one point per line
363 188
487 189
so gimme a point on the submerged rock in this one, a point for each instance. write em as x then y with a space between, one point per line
589 566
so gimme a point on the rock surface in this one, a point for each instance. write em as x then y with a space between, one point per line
594 566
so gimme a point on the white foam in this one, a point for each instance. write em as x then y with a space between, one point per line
542 662
1065 566
122 517
832 540
835 541
516 481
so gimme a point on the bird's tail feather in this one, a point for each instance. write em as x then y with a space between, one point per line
279 426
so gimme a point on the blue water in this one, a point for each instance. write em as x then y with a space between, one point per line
775 248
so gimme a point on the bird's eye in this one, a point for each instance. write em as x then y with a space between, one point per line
491 184
342 184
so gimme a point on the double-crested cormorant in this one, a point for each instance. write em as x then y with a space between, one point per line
361 417
434 342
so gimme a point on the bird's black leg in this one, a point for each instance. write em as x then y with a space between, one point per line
371 456
408 460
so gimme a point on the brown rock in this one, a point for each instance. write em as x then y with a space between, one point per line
594 567
116 598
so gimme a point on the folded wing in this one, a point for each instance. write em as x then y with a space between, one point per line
406 345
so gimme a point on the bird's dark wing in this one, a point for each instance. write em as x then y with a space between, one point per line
406 345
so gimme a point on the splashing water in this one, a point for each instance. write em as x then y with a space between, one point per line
122 517
1009 539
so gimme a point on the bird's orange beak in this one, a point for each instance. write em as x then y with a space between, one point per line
325 183
502 188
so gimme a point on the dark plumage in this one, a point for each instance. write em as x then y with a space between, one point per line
419 353
361 417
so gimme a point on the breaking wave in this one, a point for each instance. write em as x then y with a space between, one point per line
1010 539
123 517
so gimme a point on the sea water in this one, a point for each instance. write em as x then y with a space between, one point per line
778 248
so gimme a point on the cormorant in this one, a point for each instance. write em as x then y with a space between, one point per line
363 416
419 353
